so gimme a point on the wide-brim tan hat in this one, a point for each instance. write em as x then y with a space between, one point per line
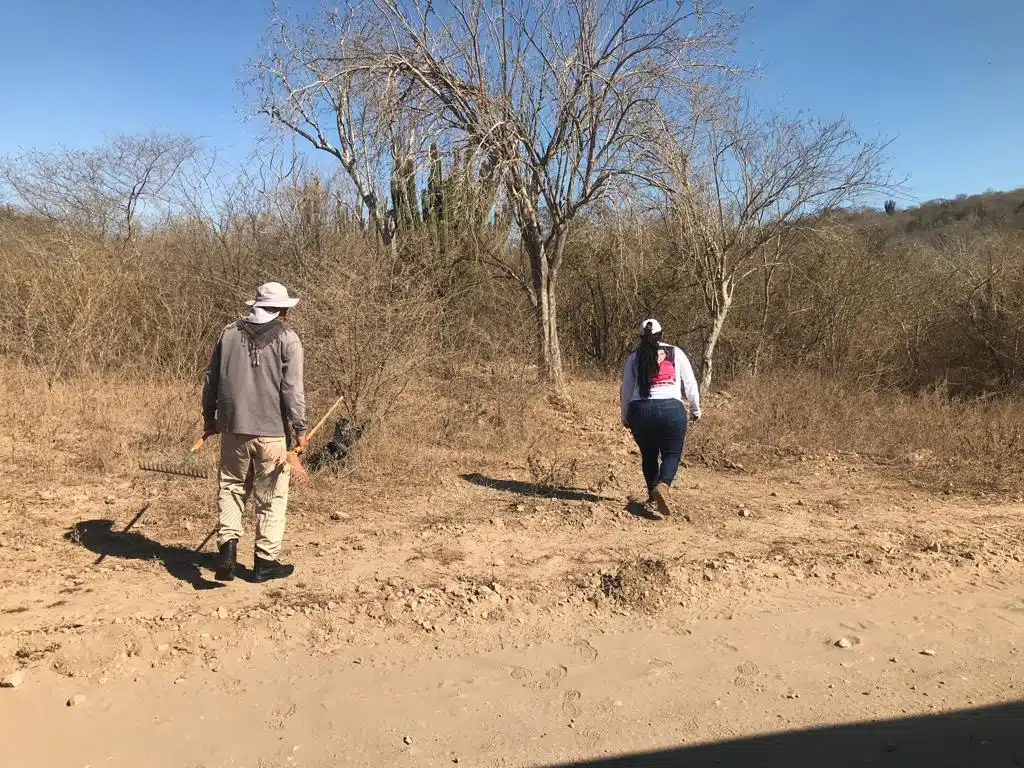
272 295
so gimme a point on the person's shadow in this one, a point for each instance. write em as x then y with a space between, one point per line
639 509
543 490
182 563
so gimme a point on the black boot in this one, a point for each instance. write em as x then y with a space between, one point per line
271 569
227 557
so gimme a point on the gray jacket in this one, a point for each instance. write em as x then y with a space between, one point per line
254 381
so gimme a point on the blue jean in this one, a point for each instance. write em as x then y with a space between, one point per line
659 428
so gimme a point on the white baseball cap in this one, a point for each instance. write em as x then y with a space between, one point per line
273 295
651 323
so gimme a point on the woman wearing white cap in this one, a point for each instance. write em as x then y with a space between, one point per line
654 382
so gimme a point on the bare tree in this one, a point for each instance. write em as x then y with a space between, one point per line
319 81
742 190
102 190
561 98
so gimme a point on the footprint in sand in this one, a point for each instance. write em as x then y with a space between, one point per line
570 703
586 650
659 668
553 678
281 714
747 668
521 675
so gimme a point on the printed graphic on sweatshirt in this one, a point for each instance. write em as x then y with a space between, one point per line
666 375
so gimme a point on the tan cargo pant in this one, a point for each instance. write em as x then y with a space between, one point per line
264 458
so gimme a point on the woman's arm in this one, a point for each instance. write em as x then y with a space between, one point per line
689 383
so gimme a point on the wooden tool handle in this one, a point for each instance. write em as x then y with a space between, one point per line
326 416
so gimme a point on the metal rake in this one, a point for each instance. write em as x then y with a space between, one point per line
182 467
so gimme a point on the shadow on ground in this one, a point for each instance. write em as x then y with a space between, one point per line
182 563
979 738
639 509
534 489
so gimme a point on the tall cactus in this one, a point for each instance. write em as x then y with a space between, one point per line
434 202
452 204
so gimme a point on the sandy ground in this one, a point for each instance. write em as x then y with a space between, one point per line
476 623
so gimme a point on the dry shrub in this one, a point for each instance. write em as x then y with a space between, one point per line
549 474
371 329
928 437
76 306
488 406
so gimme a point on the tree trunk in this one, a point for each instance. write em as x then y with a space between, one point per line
545 303
717 318
766 297
554 370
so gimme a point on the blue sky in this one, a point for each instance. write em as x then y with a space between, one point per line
941 77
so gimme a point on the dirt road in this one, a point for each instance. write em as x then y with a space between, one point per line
607 691
477 622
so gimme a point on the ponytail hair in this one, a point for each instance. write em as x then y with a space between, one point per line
647 359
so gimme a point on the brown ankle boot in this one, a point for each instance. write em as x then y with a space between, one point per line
660 496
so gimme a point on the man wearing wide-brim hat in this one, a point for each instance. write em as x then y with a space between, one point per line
254 398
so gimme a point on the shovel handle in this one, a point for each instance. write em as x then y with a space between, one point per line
293 457
326 416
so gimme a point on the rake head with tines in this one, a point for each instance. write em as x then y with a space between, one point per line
184 467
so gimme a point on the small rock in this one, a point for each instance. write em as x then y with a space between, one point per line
774 493
188 526
894 660
77 700
927 652
843 643
163 648
744 512
12 680
339 517
169 616
110 500
407 739
47 495
222 612
800 503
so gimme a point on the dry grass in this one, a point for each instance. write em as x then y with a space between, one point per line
929 438
96 429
